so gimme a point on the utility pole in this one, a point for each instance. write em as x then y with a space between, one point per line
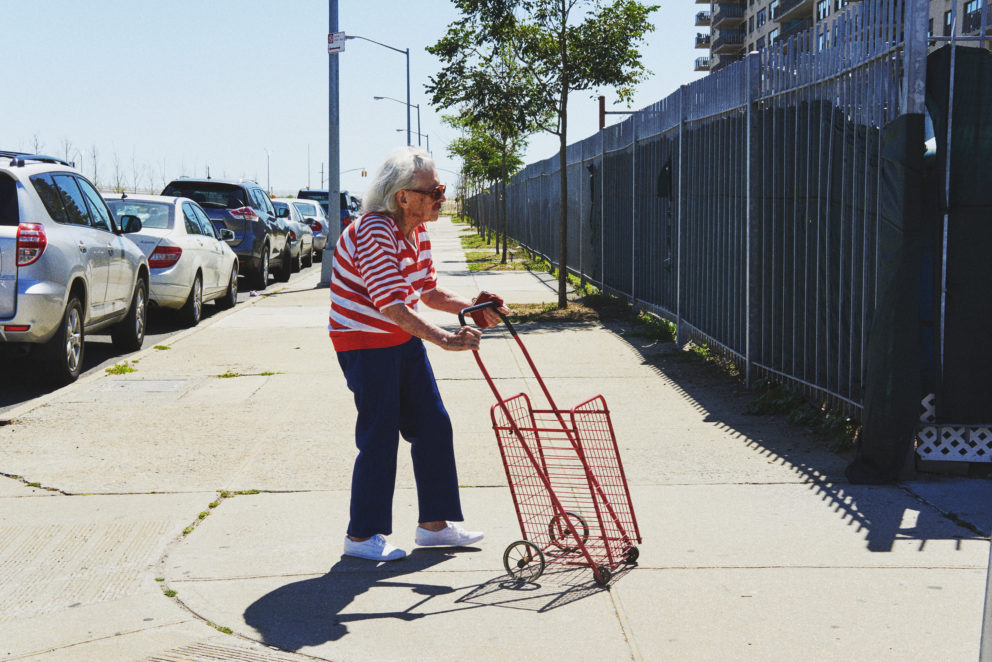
334 152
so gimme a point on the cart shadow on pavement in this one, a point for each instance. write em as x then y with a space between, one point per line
315 611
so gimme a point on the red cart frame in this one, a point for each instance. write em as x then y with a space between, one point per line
566 480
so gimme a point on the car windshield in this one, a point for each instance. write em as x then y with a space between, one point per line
279 205
307 208
209 194
152 214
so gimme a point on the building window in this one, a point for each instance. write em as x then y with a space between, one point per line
772 36
947 21
930 28
822 9
973 7
761 17
838 4
772 6
750 47
750 24
760 43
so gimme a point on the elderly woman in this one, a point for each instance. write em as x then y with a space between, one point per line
382 269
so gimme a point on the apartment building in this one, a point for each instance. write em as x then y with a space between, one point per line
733 28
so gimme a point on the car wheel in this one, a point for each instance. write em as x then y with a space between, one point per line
318 256
297 261
230 297
129 333
308 262
192 310
67 346
286 270
260 279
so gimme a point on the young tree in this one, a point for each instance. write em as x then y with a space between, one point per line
496 96
566 46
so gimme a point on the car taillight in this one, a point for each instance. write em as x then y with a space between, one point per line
245 213
292 236
164 256
316 226
31 243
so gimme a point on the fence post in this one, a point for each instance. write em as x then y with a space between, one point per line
753 218
633 212
679 333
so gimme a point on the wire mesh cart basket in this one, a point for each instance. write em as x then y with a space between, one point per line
566 480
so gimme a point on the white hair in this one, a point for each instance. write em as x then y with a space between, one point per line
399 172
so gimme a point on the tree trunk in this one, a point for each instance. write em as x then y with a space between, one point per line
503 202
563 224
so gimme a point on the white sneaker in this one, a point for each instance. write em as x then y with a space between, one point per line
452 535
374 549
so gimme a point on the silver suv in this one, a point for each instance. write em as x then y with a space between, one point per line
65 267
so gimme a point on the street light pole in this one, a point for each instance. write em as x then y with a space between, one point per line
406 52
415 105
419 136
333 152
268 176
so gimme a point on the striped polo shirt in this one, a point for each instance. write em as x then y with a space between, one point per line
375 267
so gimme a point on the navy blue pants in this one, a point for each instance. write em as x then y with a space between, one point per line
396 394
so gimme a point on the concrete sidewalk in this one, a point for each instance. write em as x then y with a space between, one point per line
232 492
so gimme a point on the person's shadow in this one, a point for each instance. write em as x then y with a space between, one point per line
308 612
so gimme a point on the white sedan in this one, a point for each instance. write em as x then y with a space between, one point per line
189 259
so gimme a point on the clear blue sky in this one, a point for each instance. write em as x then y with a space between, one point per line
163 89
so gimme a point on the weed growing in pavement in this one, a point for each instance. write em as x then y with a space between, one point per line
169 593
160 579
229 374
162 347
34 484
221 628
203 514
213 504
774 398
188 530
121 368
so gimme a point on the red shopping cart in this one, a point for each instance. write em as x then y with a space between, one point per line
566 481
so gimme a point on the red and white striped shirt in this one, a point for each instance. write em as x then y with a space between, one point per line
375 267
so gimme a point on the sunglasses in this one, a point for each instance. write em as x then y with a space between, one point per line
436 193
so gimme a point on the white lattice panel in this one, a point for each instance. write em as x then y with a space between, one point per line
959 443
928 413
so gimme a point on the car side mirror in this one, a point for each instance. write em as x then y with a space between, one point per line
226 235
283 213
130 224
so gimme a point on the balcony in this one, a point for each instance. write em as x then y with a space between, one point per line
790 10
729 41
724 60
972 22
728 16
702 40
702 64
795 27
703 19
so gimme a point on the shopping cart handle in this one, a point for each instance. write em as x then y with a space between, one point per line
489 304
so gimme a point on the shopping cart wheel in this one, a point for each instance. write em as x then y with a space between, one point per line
560 530
523 560
631 555
604 576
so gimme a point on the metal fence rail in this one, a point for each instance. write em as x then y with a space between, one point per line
744 206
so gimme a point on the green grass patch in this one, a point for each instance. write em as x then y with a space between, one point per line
34 484
161 347
230 374
169 593
775 399
160 579
121 368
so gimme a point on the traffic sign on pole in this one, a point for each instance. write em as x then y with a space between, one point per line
335 42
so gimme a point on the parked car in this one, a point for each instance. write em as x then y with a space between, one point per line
189 261
300 234
66 268
260 237
349 206
313 214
